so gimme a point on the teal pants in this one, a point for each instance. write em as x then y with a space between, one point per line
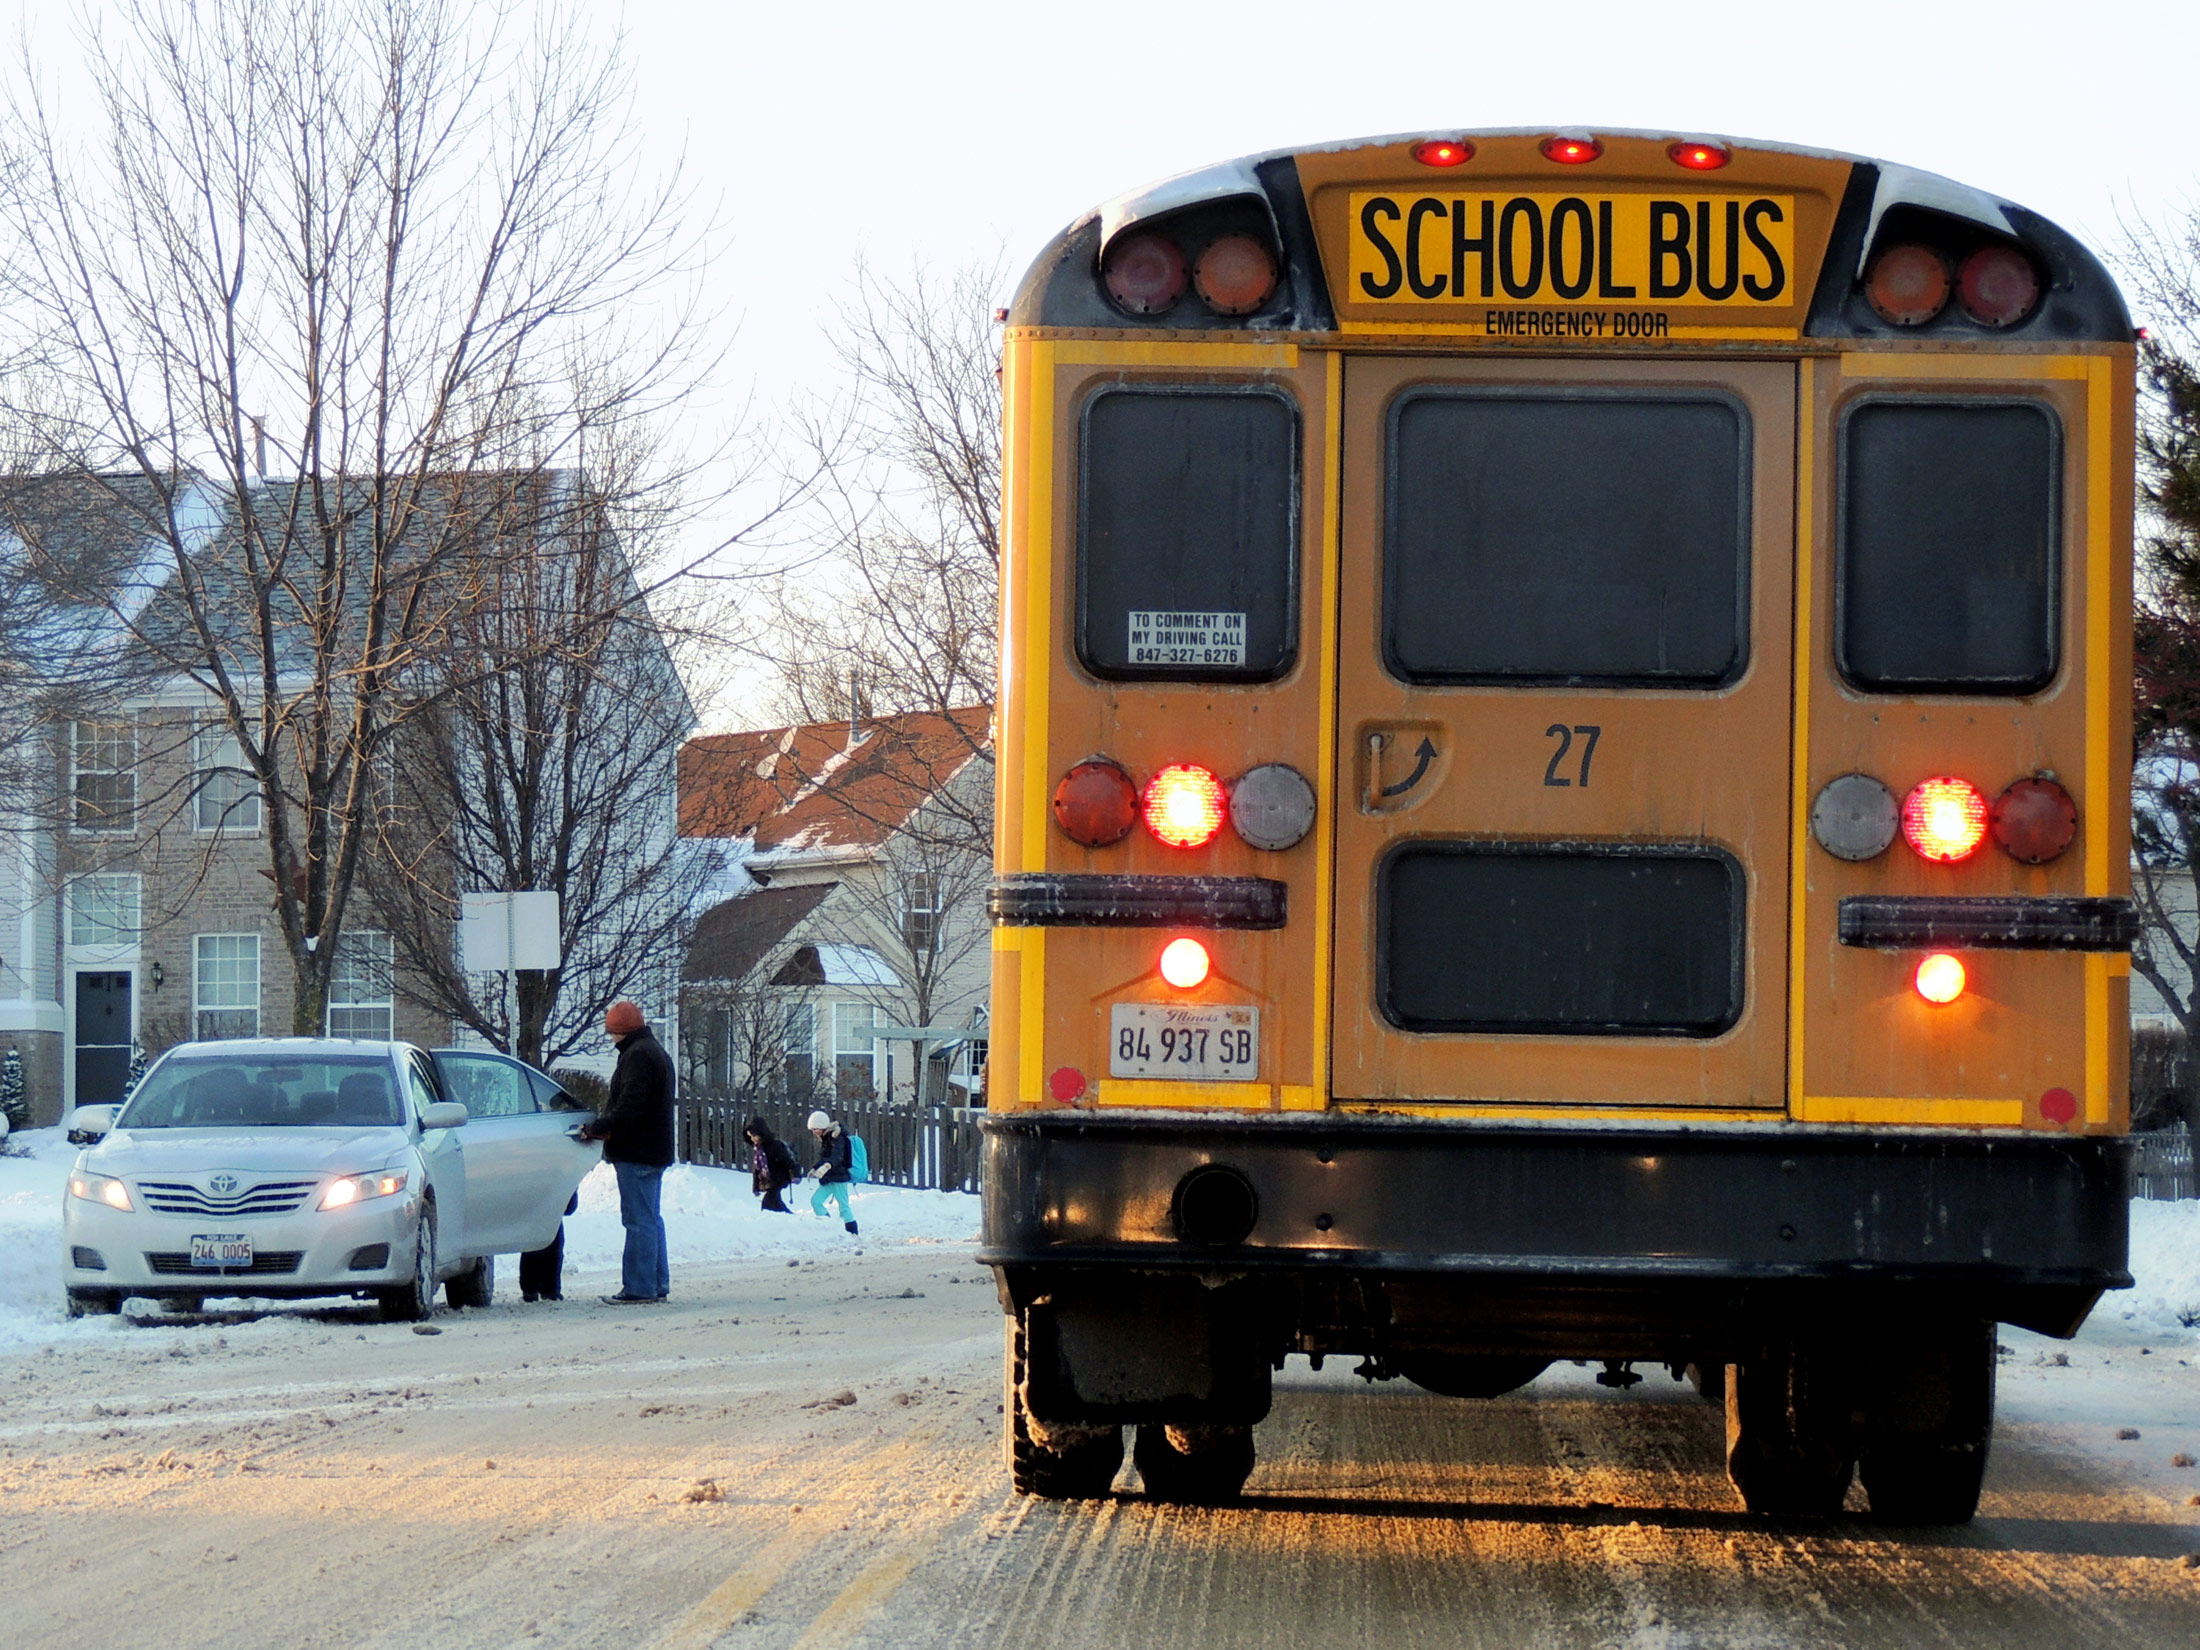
835 1191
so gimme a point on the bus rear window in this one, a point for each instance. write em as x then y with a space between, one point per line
1618 942
1946 578
1567 538
1187 534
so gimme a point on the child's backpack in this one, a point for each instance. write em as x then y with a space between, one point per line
859 1160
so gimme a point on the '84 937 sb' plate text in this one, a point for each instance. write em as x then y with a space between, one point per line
1195 1042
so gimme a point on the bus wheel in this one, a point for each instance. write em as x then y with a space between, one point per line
1787 1449
1924 1456
1055 1463
1201 1466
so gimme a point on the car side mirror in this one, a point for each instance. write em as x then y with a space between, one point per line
444 1114
89 1125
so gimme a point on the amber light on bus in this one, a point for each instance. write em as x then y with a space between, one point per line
1185 805
1096 804
1698 157
1944 819
1940 978
1234 275
1908 285
1184 963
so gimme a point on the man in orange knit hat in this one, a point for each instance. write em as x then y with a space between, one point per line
635 1127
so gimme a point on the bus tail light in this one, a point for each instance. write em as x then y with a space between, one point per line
2034 820
1096 804
1144 273
1572 148
1185 805
1234 275
1185 963
1443 152
1944 819
1698 157
1908 284
1997 286
1940 978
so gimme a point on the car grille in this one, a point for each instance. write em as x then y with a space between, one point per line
177 1263
270 1197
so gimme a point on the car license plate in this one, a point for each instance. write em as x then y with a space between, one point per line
1195 1043
224 1251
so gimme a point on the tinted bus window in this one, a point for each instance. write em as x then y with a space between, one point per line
1187 534
1947 571
1567 538
1584 942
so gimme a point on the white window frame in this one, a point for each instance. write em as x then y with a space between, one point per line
201 1008
225 794
920 908
123 935
848 1016
380 969
87 736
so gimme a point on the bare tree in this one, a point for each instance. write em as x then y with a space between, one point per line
390 251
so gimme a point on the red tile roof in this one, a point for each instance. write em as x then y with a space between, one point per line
805 788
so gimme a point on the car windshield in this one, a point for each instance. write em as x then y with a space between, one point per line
261 1092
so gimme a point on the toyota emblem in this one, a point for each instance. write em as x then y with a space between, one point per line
223 1184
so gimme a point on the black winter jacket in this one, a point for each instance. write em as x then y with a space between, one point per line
833 1156
771 1160
635 1124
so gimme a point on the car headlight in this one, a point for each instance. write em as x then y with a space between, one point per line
100 1188
357 1188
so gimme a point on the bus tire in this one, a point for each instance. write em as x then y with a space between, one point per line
1057 1463
1199 1466
1930 1470
1787 1451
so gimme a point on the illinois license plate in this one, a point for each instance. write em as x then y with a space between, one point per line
222 1251
1197 1043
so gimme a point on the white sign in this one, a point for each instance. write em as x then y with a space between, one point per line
1195 1042
498 932
1165 638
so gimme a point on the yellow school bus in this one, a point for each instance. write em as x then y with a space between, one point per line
1564 776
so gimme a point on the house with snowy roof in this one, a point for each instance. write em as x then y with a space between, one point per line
851 861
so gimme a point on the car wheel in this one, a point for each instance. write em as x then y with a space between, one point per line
475 1287
409 1303
94 1303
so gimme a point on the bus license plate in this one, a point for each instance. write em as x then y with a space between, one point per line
224 1250
1196 1043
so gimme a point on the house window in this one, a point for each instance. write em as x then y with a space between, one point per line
103 760
359 987
226 794
855 1055
798 1049
920 911
103 909
225 985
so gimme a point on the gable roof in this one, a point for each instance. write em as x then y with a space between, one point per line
807 789
733 937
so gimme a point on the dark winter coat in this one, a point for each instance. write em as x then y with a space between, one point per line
834 1156
771 1160
635 1124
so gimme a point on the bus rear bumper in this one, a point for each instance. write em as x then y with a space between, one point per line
1624 1239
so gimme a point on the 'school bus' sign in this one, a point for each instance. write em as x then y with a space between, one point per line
1727 251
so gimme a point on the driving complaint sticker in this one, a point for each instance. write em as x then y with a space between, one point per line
1608 253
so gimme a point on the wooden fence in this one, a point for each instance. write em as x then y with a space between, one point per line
930 1147
2162 1166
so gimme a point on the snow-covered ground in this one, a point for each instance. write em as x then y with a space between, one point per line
710 1217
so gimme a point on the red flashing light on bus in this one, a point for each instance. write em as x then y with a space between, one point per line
1698 157
1944 819
1443 152
1145 273
1096 804
2034 820
1184 963
1940 978
1185 805
1998 286
1572 149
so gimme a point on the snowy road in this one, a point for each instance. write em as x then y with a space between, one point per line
576 1475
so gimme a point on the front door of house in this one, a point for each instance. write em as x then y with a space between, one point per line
102 1037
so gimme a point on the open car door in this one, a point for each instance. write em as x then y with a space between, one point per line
522 1163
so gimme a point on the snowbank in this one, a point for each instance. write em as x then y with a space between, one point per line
2165 1262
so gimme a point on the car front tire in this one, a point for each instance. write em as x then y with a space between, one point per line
475 1287
410 1302
94 1303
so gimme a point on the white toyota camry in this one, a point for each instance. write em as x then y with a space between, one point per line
296 1167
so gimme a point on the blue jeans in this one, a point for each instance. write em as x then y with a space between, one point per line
837 1190
646 1270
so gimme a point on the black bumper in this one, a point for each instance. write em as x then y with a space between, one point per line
1636 1225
